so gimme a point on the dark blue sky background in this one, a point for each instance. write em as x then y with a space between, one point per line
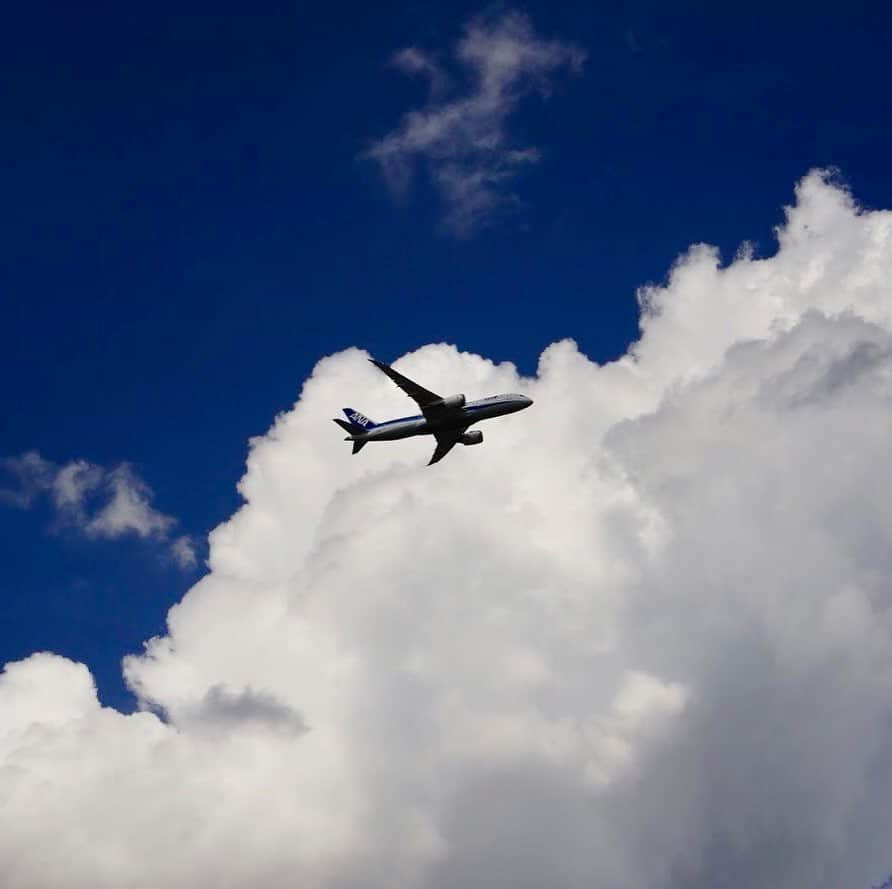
188 229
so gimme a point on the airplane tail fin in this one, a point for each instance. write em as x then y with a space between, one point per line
359 419
356 424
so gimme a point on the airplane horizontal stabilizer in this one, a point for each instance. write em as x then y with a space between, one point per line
358 446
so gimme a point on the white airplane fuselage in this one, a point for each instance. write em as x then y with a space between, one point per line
471 412
446 419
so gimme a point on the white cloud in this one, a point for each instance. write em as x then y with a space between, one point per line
183 551
641 639
97 502
30 475
463 139
71 484
128 510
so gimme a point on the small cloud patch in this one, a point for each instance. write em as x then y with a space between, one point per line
97 502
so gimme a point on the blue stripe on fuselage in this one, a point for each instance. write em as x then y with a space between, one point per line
469 412
474 406
400 420
467 407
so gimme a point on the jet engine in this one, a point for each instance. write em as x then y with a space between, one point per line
453 401
471 438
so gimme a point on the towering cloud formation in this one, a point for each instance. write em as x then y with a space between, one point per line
639 640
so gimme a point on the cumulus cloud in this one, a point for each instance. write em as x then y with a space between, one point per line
461 137
640 639
97 502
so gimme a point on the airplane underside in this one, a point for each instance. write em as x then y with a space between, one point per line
447 419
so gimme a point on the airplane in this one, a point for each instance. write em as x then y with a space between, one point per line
447 419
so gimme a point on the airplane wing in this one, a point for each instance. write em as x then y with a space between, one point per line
446 441
424 397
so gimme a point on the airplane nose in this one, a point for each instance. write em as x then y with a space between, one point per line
527 401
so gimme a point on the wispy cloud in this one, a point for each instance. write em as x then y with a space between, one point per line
183 551
95 501
462 140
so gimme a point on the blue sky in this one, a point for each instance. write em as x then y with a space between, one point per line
193 225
